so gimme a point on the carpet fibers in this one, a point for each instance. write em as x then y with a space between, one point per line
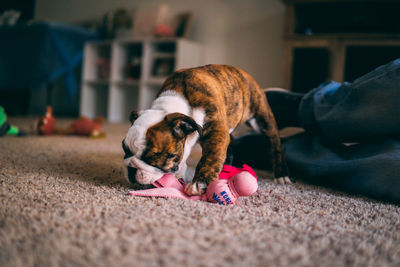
64 202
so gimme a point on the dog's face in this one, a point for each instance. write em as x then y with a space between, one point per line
155 145
164 149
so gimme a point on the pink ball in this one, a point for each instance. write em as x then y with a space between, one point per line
244 183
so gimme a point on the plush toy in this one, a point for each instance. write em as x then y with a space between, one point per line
85 127
233 183
81 126
6 128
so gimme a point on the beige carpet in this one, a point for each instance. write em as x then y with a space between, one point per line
64 203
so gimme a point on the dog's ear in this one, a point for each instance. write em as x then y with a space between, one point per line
182 125
133 116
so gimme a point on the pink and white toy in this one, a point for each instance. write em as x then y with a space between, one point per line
233 183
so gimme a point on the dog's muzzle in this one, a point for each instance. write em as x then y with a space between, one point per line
140 172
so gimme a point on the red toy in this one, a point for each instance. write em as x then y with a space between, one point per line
47 122
233 183
86 127
82 126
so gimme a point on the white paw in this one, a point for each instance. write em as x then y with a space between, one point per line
195 188
282 180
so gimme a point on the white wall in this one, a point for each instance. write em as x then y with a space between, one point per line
243 33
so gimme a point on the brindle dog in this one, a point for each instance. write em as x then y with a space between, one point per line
225 97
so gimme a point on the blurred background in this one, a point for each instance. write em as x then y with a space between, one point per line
98 57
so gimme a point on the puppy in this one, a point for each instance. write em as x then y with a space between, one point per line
198 105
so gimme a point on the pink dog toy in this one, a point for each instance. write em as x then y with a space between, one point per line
233 183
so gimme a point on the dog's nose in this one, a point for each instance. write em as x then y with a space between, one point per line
132 175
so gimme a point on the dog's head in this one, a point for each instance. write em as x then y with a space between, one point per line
155 144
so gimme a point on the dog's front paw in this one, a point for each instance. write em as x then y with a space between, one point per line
195 188
282 180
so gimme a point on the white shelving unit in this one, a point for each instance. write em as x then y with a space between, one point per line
124 75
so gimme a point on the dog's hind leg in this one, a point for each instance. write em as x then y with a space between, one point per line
267 125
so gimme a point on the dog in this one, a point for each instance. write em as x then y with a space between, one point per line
198 105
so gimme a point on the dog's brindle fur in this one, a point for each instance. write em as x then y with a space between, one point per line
229 96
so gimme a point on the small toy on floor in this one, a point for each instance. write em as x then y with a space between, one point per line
233 183
85 127
6 128
82 126
46 123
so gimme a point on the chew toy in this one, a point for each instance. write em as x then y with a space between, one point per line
233 183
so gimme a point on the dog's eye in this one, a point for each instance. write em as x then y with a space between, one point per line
170 156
